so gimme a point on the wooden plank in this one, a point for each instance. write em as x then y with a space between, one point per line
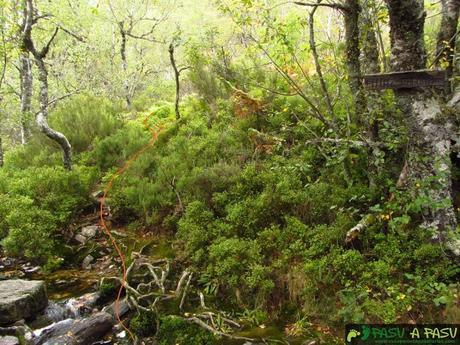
405 80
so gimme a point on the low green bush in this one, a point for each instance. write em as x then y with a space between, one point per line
175 330
84 118
37 204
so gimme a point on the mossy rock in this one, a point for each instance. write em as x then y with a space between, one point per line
107 291
21 299
144 324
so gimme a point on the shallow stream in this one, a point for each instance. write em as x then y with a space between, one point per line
67 283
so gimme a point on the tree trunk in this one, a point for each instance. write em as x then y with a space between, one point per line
351 14
407 19
371 65
445 46
78 332
319 72
124 65
176 78
42 116
370 46
430 131
26 94
39 56
1 153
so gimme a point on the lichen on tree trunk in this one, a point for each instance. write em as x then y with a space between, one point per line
370 63
445 45
351 14
1 153
430 128
26 94
428 162
39 57
42 116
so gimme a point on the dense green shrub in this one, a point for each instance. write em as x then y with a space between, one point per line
175 330
37 205
264 230
38 152
85 118
117 148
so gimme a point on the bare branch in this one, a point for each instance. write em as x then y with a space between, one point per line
181 282
357 143
184 294
317 114
43 16
205 326
184 69
46 48
74 35
334 5
60 98
144 37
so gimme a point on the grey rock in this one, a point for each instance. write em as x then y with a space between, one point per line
89 231
80 238
86 264
77 307
9 340
21 299
97 194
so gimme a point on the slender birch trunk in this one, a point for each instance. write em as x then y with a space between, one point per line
26 94
39 58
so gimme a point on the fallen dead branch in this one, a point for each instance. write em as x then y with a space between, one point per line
148 284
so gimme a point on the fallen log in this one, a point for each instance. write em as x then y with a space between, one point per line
79 332
121 308
52 331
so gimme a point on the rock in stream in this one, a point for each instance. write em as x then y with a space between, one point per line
21 299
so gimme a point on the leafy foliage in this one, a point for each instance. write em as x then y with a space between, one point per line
37 205
259 181
144 324
175 330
